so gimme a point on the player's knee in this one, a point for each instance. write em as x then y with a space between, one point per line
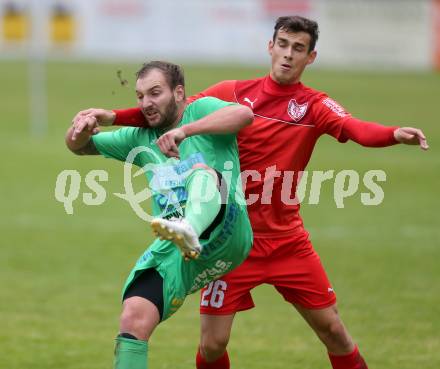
213 346
200 166
133 320
205 167
129 317
335 334
335 329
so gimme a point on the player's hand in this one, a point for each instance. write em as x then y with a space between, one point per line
169 142
411 136
103 117
85 124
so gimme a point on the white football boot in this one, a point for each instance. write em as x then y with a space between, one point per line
181 233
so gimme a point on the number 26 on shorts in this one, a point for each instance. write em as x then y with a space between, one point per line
214 294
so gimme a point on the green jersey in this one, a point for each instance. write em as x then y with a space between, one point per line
230 241
166 176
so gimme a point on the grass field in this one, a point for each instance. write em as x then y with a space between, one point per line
61 274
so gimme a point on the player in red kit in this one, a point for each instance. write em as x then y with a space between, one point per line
289 119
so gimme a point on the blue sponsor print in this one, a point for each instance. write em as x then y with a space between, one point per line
185 165
146 255
169 183
225 233
170 199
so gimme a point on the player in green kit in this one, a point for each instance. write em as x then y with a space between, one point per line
199 213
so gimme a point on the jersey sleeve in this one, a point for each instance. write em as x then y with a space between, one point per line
331 118
117 144
129 117
223 90
369 134
208 105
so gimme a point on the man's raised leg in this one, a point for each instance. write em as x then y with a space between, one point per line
204 200
202 207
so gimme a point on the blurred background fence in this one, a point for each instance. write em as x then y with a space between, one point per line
354 33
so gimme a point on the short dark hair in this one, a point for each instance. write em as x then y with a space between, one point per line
295 23
172 72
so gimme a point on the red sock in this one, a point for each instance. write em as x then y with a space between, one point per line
221 363
349 361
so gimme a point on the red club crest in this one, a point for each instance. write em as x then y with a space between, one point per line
296 111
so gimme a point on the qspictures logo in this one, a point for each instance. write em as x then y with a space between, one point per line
166 186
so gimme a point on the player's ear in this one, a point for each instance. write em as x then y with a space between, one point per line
270 47
312 57
179 93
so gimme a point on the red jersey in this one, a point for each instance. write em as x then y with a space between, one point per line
277 146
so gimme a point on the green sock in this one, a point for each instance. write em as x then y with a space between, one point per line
130 354
204 200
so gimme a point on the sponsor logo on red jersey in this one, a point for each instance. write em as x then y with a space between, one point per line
296 111
334 107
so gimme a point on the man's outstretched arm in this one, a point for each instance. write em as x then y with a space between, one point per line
371 134
331 118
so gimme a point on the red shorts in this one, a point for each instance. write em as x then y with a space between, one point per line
290 264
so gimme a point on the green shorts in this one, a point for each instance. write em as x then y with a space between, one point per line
227 247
